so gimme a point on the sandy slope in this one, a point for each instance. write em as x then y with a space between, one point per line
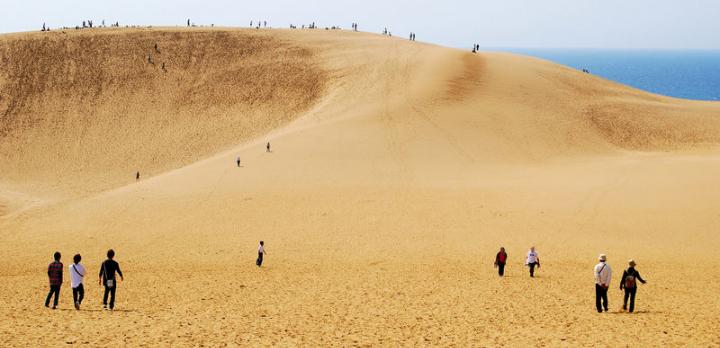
397 171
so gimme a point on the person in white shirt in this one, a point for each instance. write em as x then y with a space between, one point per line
532 260
603 274
77 273
261 253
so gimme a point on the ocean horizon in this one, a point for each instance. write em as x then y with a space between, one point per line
689 74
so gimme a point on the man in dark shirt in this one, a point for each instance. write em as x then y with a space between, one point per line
55 274
107 278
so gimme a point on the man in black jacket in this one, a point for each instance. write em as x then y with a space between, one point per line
107 278
628 283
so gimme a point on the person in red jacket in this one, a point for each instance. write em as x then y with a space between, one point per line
500 260
55 274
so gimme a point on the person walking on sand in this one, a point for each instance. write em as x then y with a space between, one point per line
267 147
238 161
55 275
532 260
77 273
628 282
603 274
500 260
261 253
137 176
107 278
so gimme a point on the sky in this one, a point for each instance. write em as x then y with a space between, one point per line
607 24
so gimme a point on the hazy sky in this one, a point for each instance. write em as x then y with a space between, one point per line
496 23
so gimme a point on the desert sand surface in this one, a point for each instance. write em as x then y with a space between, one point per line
397 170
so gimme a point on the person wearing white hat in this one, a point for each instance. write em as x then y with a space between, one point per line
629 284
603 274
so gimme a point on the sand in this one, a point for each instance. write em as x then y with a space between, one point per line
398 169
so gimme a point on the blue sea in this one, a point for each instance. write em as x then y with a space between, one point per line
693 74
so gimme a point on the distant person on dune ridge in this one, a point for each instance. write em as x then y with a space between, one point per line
77 273
137 176
500 260
261 253
267 147
238 161
107 278
628 282
55 275
603 274
532 260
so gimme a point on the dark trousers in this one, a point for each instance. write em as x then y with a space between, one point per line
259 259
532 268
78 294
501 269
111 292
601 294
54 289
630 293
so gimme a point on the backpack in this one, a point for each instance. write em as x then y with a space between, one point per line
630 281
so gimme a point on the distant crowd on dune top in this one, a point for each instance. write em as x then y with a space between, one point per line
88 24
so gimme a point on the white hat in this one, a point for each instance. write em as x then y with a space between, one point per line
603 257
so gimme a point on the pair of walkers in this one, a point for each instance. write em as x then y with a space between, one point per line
532 260
107 277
628 283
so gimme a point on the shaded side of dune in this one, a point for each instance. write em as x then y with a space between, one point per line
80 106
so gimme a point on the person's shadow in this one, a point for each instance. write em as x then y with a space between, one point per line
96 310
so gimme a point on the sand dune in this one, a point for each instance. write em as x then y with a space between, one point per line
398 168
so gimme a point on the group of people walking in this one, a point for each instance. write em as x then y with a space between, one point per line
107 277
628 283
603 275
532 260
